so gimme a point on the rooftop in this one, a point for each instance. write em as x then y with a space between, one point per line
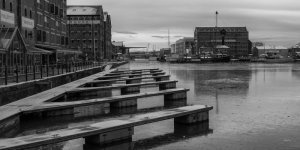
185 39
218 29
268 47
83 10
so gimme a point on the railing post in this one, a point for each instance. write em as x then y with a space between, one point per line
57 68
17 74
67 67
62 69
47 70
41 71
6 76
76 64
34 72
70 67
26 73
53 72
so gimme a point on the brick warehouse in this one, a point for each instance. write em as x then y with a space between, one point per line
236 38
39 26
51 28
107 35
90 30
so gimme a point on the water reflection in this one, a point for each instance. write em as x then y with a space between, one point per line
226 82
181 132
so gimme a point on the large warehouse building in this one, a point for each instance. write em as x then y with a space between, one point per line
90 31
236 38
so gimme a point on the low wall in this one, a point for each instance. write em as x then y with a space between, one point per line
14 92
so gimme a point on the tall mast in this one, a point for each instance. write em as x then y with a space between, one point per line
168 38
217 18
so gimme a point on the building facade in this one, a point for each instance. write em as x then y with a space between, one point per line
40 26
236 38
185 46
173 48
295 51
107 37
271 51
86 31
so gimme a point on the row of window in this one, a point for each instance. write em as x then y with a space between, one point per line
54 9
85 33
84 26
83 41
84 18
43 36
51 23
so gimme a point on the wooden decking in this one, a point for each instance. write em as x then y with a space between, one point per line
98 128
46 102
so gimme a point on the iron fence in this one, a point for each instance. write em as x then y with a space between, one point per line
16 74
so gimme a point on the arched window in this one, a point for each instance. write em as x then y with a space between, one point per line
30 14
25 12
3 4
10 6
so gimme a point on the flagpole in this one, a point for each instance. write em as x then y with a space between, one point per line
217 18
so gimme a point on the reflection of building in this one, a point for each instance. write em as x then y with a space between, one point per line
86 30
236 38
185 46
227 82
42 28
271 51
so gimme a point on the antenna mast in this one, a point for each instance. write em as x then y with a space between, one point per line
168 38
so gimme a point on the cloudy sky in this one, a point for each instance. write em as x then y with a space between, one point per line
139 22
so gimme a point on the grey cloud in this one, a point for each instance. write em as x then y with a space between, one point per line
154 17
165 37
125 32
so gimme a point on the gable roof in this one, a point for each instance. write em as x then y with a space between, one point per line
6 41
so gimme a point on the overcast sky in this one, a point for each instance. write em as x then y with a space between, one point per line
138 22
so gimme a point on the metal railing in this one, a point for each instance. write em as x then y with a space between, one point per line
16 74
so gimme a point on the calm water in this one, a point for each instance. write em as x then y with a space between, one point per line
256 106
